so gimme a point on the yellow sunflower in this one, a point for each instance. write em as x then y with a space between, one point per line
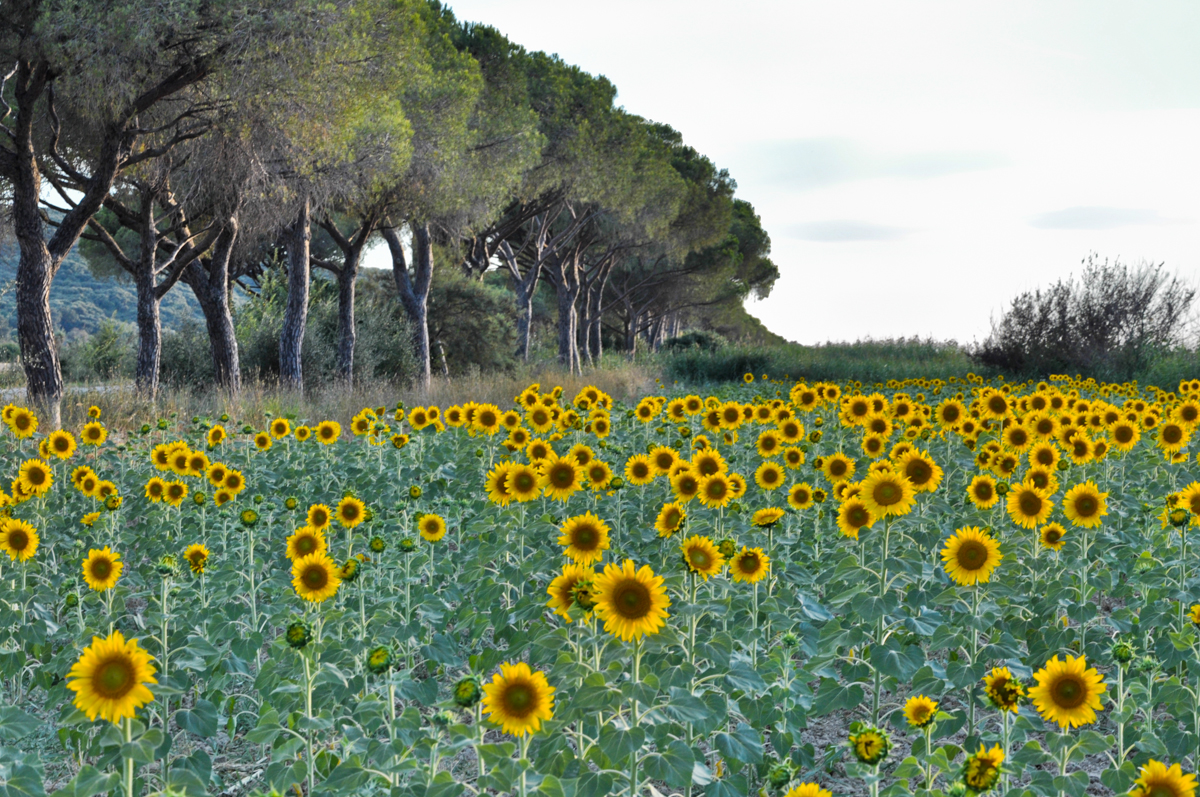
982 491
1156 779
1002 689
18 539
280 428
1051 536
670 519
854 516
431 527
35 477
714 491
970 556
174 493
523 482
769 476
887 494
685 485
216 435
701 556
22 422
981 770
767 516
920 711
518 699
749 565
838 468
1028 506
61 443
1068 692
800 496
316 577
808 790
305 541
196 556
350 512
584 539
562 588
234 481
631 601
328 432
920 470
320 516
561 477
1084 505
102 568
109 680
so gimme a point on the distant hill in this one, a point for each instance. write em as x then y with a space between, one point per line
81 301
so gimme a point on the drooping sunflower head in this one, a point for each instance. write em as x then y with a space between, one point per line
981 770
631 601
970 556
870 745
518 699
102 568
1002 689
920 711
316 577
700 556
584 539
196 555
1068 692
109 680
767 516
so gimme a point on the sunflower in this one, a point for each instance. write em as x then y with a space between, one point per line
35 477
887 494
1156 779
632 602
982 491
561 477
319 516
22 422
155 488
1028 506
685 485
518 699
495 484
90 519
61 443
562 588
970 556
216 473
708 461
670 519
838 468
523 482
767 516
1002 689
921 471
1124 435
715 491
109 680
18 539
808 790
920 711
102 568
328 432
222 497
701 556
639 470
174 493
1051 536
749 565
584 539
305 541
769 476
981 770
234 481
350 512
870 745
316 577
1068 692
800 496
431 527
1084 505
262 441
197 557
854 516
197 463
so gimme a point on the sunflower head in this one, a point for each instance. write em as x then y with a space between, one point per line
518 699
749 565
700 556
869 745
468 691
981 770
1068 692
380 659
970 556
109 680
316 577
631 601
1002 689
920 711
298 635
1156 779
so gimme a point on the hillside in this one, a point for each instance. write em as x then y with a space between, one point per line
81 301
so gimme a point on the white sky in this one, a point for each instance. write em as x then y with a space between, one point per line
915 163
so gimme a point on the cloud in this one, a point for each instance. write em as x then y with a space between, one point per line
844 231
812 163
1095 218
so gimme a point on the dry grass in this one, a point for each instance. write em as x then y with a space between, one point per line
124 409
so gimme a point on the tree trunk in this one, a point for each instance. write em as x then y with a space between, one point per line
347 334
211 287
568 352
297 240
149 324
524 288
592 331
414 290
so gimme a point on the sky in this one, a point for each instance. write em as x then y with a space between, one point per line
916 164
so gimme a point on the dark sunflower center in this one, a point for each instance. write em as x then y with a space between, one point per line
1085 506
1053 535
716 489
887 493
113 678
519 699
1161 790
983 491
749 563
306 545
770 476
101 569
36 476
1030 503
562 477
631 600
18 540
918 472
671 518
350 511
641 470
1172 434
972 555
586 538
1068 692
315 577
60 444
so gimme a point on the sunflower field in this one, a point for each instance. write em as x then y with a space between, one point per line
787 589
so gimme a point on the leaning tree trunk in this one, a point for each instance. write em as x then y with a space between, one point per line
297 240
413 290
347 334
149 323
211 287
568 352
35 331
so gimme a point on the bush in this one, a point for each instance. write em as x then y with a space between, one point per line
696 339
108 354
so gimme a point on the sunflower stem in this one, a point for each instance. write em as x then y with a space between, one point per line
128 728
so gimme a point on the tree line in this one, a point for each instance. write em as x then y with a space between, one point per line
199 143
